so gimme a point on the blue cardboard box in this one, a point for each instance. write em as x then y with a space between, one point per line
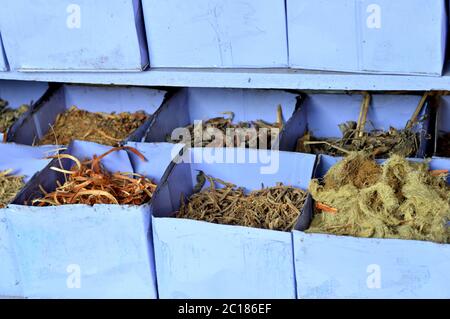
320 114
17 93
216 34
66 35
329 266
197 259
391 37
24 161
106 99
81 251
200 104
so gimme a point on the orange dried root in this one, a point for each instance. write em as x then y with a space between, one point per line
88 182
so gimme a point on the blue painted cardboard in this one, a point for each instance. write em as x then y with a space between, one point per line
24 161
196 259
104 250
3 61
322 113
328 266
196 104
215 33
106 99
63 35
18 93
363 36
442 119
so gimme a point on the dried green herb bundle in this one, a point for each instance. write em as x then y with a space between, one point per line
379 143
276 208
8 116
443 146
398 199
102 128
250 137
10 185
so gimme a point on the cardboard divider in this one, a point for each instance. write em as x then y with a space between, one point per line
196 259
86 36
106 99
363 36
322 113
24 161
3 60
216 34
442 120
18 93
81 251
330 266
196 104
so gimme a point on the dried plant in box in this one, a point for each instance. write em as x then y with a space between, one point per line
245 133
276 208
10 185
8 116
102 128
397 199
88 182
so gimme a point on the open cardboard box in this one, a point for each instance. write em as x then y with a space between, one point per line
197 259
91 98
329 266
24 161
81 251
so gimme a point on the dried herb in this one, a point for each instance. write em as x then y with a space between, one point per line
88 182
276 208
397 199
251 138
8 115
10 185
102 128
443 145
379 143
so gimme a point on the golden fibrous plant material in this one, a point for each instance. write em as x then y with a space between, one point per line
403 142
276 208
88 182
248 133
397 199
102 128
8 115
443 145
10 186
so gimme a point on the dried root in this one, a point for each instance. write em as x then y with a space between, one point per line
276 208
246 134
87 182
